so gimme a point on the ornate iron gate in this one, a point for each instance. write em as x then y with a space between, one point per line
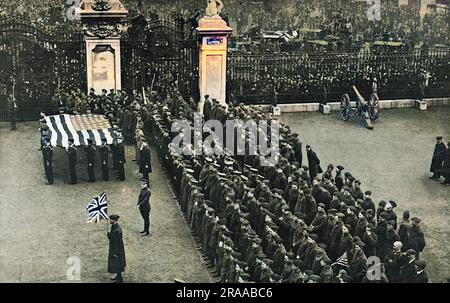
34 66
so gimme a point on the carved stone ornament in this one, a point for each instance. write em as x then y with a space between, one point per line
104 29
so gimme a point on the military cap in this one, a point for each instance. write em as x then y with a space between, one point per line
247 166
332 211
416 219
439 138
357 241
244 178
237 173
216 165
254 170
208 160
228 162
339 167
114 217
393 203
411 252
368 193
144 180
260 177
190 171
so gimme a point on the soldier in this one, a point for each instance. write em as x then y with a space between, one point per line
339 181
47 153
104 154
416 239
116 255
90 153
13 116
145 164
313 162
72 155
438 159
144 206
119 152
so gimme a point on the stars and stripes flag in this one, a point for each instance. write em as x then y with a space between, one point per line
97 209
79 128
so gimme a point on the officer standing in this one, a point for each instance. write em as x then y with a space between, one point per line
119 151
144 206
104 154
116 254
72 155
313 162
90 152
438 159
47 153
145 163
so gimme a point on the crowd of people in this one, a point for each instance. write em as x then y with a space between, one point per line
286 223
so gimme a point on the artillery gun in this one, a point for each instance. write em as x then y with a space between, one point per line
368 111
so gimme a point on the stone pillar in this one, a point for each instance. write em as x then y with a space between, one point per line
103 27
213 32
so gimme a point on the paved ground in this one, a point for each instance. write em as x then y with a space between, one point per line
41 226
393 161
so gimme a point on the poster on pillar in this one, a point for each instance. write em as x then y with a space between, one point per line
103 68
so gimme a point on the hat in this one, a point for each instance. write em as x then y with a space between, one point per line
208 159
144 180
367 192
411 252
439 138
339 167
393 203
416 219
421 264
114 217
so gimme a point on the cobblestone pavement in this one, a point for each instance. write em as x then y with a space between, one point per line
41 226
393 161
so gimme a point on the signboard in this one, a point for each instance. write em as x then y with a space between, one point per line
214 41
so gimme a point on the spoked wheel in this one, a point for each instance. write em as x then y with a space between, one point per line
345 107
374 107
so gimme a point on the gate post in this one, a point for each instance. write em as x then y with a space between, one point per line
103 27
213 32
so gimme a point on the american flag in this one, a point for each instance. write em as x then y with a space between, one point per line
342 260
97 209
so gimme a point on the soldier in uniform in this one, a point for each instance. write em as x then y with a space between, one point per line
313 162
116 255
144 206
47 153
438 159
119 151
104 154
145 164
72 155
90 153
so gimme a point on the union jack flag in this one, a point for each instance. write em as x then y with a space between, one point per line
97 209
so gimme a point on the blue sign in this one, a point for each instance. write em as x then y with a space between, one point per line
214 41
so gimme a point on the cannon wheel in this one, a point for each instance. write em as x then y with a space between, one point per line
345 107
374 107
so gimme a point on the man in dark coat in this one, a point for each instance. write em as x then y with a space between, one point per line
405 228
416 239
393 262
116 254
313 162
144 206
446 166
104 155
90 153
422 276
357 265
119 158
438 158
47 153
145 162
72 155
339 180
297 147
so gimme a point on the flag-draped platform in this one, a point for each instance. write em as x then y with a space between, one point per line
79 128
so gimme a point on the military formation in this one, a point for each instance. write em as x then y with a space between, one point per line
291 222
123 110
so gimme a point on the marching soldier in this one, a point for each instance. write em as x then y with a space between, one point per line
47 153
144 206
104 154
72 155
90 153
